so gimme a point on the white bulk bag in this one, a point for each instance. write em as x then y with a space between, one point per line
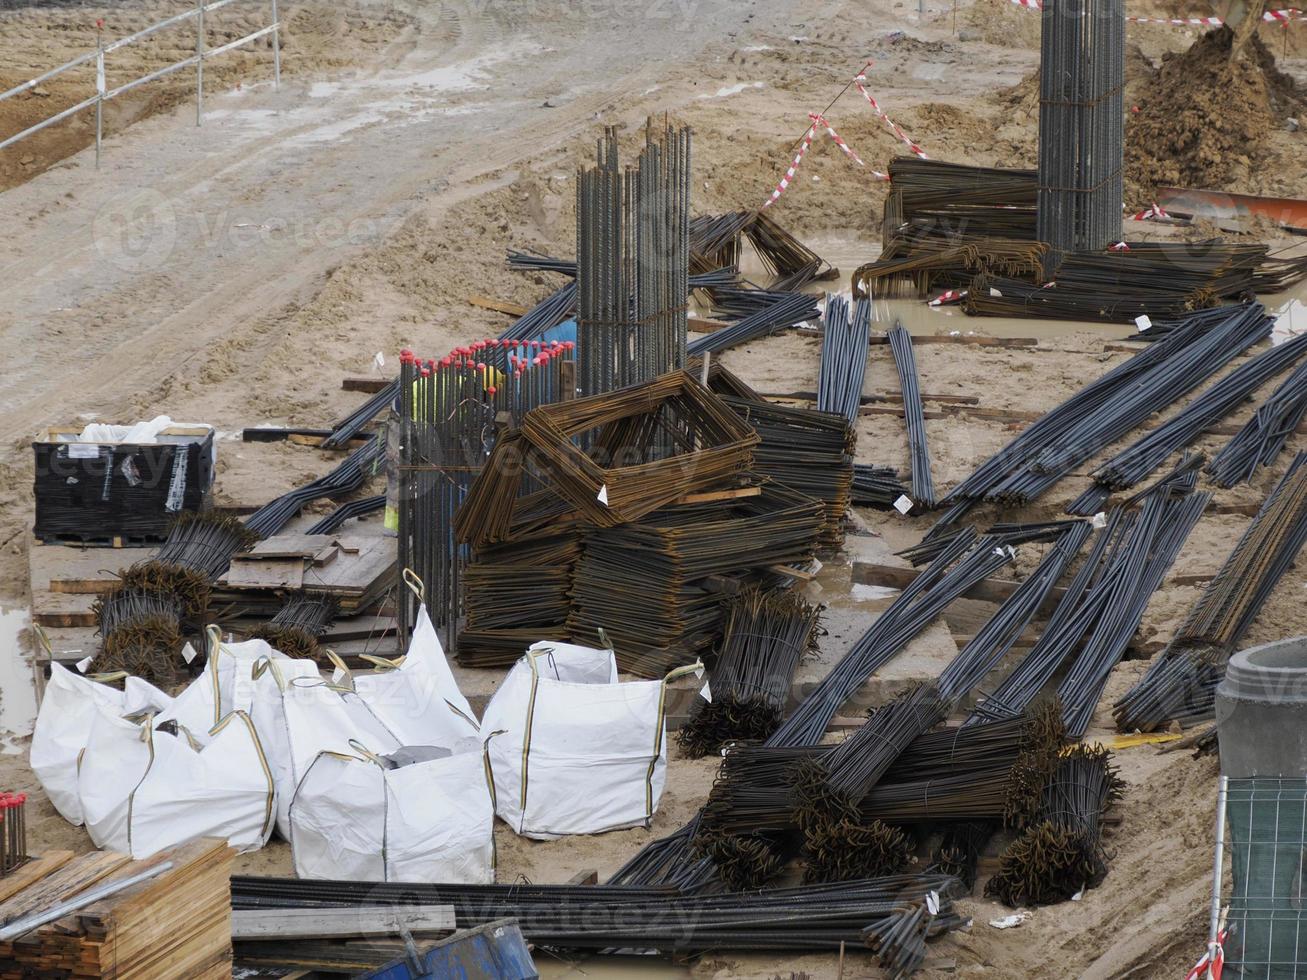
143 791
357 820
416 696
64 723
576 752
298 715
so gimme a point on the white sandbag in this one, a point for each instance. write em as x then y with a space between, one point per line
416 696
354 819
575 751
298 715
64 723
143 791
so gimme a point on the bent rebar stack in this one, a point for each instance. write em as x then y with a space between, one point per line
633 251
1081 147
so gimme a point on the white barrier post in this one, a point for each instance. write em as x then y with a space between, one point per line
99 88
199 63
276 48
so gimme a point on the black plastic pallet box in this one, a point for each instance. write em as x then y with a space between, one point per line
102 491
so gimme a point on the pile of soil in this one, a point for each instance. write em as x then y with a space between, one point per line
1205 121
1022 99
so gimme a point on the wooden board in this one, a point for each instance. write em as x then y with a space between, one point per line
891 576
32 872
378 920
64 569
62 884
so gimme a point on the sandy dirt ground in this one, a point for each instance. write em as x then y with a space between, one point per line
233 273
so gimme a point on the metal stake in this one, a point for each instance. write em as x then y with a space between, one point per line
199 62
1215 920
99 89
276 48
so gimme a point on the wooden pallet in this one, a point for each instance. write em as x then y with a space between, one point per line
175 925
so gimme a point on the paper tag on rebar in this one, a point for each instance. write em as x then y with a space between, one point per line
932 903
706 692
603 495
189 653
903 504
1099 520
1142 322
84 663
337 676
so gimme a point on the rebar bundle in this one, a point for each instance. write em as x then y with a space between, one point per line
140 633
951 199
921 258
629 469
876 486
554 309
1135 462
958 852
352 424
844 350
767 632
1100 611
845 849
993 772
715 243
1262 438
633 262
198 549
831 789
1181 682
13 831
857 914
967 560
295 628
1106 409
1062 852
1081 125
515 594
653 586
348 512
923 487
347 477
808 451
776 312
965 672
449 409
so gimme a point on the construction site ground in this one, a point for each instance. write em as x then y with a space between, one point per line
234 273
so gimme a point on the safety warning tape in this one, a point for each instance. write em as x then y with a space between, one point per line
817 120
860 80
1154 213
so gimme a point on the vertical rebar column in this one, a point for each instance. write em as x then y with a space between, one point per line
1081 125
633 262
276 48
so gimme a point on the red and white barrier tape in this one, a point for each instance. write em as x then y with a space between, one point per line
794 167
860 81
1218 963
948 297
1283 16
1154 213
817 120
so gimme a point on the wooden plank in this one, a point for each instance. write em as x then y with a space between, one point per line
497 305
368 386
713 496
62 884
265 573
356 921
891 576
586 876
32 872
811 396
315 442
794 573
698 324
272 433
